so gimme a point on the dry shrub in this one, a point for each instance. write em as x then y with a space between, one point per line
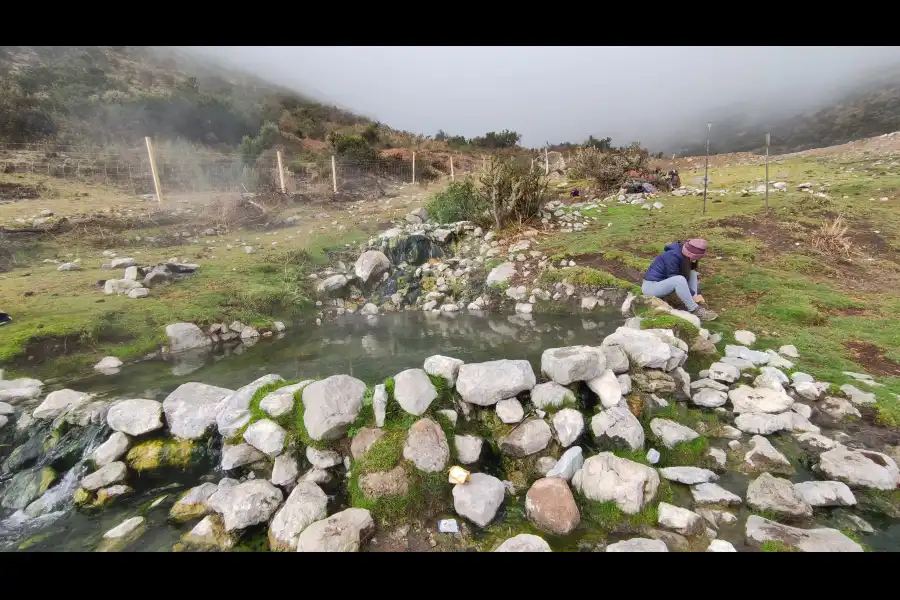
514 191
831 238
609 167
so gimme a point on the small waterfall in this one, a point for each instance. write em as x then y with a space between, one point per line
57 501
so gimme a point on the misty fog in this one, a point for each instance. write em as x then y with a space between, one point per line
555 94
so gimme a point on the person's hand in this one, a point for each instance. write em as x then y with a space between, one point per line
699 299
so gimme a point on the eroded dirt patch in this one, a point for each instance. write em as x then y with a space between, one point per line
872 358
613 267
775 238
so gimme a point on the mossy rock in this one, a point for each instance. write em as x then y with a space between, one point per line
27 487
82 497
163 453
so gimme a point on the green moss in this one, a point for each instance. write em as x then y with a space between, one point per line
629 260
163 453
683 330
366 416
686 454
82 496
584 277
776 546
35 539
428 283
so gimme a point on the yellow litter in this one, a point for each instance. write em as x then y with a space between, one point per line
458 475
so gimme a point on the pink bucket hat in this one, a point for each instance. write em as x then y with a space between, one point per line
695 249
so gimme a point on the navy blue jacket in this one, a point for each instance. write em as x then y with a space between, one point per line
667 264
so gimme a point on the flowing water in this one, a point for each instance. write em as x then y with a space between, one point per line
370 348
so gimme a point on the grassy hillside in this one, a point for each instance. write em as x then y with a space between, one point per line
868 108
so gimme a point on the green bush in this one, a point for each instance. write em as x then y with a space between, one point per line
514 191
352 147
253 147
460 201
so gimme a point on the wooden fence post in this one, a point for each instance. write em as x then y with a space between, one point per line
156 184
414 168
452 174
281 173
333 175
546 163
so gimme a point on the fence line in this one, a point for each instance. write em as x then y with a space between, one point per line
167 168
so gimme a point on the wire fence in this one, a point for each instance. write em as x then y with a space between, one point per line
183 169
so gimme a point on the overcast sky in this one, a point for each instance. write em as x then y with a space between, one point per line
557 93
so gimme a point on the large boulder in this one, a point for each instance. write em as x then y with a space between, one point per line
644 348
305 505
500 274
414 391
763 423
860 468
711 493
549 504
760 530
510 411
57 403
688 475
777 495
487 383
605 477
443 366
616 359
27 486
331 285
618 426
331 405
825 493
479 498
280 402
341 532
245 504
191 409
135 417
524 542
573 363
426 446
526 439
763 456
371 264
680 520
234 410
105 476
759 400
186 336
638 545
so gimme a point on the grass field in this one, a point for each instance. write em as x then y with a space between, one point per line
764 273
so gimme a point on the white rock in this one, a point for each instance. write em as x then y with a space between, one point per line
606 477
618 425
323 459
526 439
108 365
644 348
607 387
57 403
568 464
414 391
524 542
510 411
680 520
485 384
305 505
135 417
568 424
191 409
777 495
759 400
707 383
379 404
790 351
616 359
711 493
233 411
331 405
426 446
551 395
124 529
709 398
501 274
754 356
764 456
443 366
858 396
479 498
468 448
720 371
746 338
266 436
280 402
838 408
860 468
720 546
762 424
799 376
624 384
638 545
238 455
285 470
688 475
186 336
105 476
573 363
760 530
672 433
825 493
810 390
111 450
371 263
246 504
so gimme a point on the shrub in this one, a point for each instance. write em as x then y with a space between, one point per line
253 147
460 201
514 191
352 147
831 238
609 168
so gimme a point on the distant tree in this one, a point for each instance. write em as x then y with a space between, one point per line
592 142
